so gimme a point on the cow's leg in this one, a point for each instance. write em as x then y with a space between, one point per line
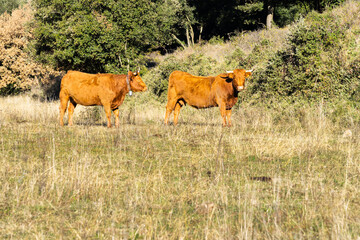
71 108
167 115
228 116
64 98
116 113
169 108
107 109
177 111
222 107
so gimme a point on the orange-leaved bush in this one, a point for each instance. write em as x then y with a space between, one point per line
18 72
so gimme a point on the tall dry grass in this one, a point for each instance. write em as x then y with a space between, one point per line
246 41
276 174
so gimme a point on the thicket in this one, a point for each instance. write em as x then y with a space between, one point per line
321 60
9 5
107 36
104 36
225 17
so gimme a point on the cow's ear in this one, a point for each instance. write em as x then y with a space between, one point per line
247 74
130 74
232 76
227 76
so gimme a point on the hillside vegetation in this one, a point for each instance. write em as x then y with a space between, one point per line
321 59
315 58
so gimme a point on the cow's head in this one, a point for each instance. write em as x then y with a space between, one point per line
237 77
136 83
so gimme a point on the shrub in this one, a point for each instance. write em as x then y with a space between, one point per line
216 40
8 5
260 52
17 71
315 65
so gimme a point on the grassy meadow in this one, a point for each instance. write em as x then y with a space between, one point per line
291 172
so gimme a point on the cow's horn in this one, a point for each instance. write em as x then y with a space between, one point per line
249 70
229 71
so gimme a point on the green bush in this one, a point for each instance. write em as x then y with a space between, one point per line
313 66
104 36
9 5
10 89
285 15
216 40
238 57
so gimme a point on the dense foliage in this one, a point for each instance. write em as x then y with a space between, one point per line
228 16
104 36
319 59
322 59
9 5
107 36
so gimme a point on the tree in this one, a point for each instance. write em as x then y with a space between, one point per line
290 9
224 17
269 13
228 16
105 36
108 36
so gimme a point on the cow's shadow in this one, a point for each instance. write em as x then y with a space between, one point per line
90 124
198 124
50 89
104 124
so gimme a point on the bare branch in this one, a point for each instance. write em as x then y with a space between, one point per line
179 41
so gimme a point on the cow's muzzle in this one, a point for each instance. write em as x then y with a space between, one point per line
239 88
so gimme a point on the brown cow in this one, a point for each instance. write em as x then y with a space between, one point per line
108 90
204 92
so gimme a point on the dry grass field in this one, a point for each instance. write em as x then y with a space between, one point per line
289 173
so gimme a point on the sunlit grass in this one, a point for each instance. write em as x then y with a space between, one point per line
288 173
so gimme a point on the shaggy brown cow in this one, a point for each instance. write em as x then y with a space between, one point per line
108 90
204 92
